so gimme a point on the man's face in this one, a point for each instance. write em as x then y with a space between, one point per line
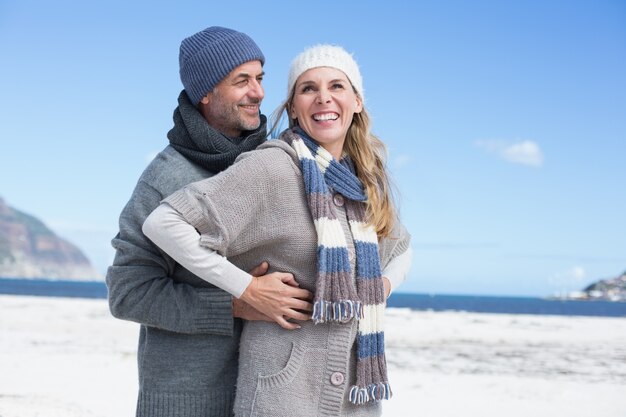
233 105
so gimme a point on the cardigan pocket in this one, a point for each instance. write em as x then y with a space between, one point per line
296 389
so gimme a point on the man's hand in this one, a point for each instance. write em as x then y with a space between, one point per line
277 297
245 311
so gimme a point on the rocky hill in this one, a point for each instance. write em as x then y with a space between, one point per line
28 249
613 289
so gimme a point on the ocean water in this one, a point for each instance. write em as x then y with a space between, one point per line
469 303
508 305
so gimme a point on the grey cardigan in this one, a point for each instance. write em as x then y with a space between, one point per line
257 210
188 339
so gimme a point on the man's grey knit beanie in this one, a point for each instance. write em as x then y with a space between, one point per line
207 57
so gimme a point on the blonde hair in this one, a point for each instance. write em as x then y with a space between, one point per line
369 155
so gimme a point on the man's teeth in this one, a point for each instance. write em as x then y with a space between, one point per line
325 116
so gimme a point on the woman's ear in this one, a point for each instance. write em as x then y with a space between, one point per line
359 105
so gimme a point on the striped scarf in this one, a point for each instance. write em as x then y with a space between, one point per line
336 298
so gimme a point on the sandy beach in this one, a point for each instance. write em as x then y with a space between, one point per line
63 357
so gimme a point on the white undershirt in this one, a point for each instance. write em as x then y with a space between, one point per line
180 240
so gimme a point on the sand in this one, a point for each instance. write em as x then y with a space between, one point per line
64 357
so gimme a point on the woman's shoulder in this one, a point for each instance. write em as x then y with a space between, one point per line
275 155
278 144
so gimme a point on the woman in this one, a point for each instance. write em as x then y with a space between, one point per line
315 203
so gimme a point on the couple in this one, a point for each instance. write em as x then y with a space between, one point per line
312 207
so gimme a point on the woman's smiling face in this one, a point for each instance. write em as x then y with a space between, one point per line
324 103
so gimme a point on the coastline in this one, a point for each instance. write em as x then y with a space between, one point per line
415 301
68 357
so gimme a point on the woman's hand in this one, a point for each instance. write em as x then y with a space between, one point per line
387 286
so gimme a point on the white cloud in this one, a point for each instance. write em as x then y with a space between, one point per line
525 152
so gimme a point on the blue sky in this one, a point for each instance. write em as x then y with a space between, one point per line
505 121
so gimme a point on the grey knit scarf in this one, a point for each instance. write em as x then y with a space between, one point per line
197 141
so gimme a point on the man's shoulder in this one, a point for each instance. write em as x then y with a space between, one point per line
169 171
166 160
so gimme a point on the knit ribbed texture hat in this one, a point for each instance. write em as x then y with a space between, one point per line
207 57
326 56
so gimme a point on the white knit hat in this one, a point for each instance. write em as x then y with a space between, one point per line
326 56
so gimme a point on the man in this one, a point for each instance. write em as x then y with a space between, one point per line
188 341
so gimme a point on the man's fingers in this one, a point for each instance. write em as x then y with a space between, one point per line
294 291
300 293
273 296
260 269
291 281
296 315
287 325
284 276
245 311
254 315
298 304
301 305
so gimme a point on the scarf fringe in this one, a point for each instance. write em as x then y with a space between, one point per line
371 393
341 311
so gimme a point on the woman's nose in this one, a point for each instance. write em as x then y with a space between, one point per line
323 96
